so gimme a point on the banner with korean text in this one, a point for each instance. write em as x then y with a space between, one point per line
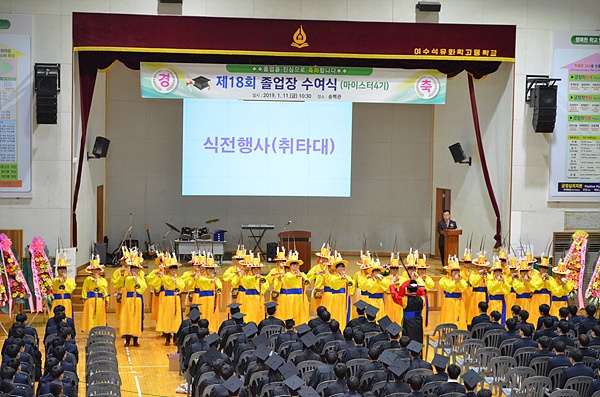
292 83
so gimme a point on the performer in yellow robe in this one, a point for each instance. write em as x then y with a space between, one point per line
255 286
160 261
62 288
234 275
131 322
190 276
524 286
542 295
427 284
560 288
316 275
359 277
206 290
477 280
498 285
95 296
465 272
512 273
275 277
341 288
453 285
395 311
293 301
169 308
373 286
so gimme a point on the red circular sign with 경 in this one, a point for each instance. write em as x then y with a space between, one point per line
427 86
164 80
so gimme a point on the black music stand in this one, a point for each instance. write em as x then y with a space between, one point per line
257 232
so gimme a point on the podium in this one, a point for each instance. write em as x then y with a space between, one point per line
450 243
302 243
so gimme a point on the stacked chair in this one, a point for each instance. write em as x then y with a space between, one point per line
101 365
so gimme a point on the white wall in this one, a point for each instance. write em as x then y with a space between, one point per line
390 177
48 213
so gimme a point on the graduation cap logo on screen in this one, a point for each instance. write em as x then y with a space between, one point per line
199 82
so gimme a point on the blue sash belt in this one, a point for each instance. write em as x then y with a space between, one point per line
94 295
543 291
291 291
204 292
484 290
334 291
412 314
169 292
378 295
526 295
557 299
130 294
455 295
252 292
62 296
501 299
241 289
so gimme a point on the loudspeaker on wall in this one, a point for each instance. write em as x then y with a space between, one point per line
47 86
544 111
100 149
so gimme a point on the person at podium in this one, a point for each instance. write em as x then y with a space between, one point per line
445 224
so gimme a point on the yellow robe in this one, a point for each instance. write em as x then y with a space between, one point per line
233 275
497 291
169 307
132 306
316 275
560 292
206 293
478 293
523 295
156 293
95 294
372 293
355 279
293 302
61 293
340 294
255 297
118 281
541 296
453 309
393 310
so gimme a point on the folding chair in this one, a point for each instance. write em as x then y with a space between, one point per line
322 386
477 330
430 388
454 339
355 364
465 354
366 378
267 389
515 377
540 365
523 355
269 330
498 368
492 337
506 346
535 386
581 384
437 339
555 375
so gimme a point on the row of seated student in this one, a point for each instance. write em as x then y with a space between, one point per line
22 359
233 364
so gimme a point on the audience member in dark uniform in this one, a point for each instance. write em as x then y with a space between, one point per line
470 380
387 359
238 320
361 319
233 309
314 322
560 359
397 386
584 343
382 336
393 331
198 346
221 390
514 311
511 331
324 326
561 330
483 317
334 327
595 339
19 376
403 352
358 351
262 354
416 361
348 340
6 388
271 308
52 323
217 366
545 349
495 317
370 325
452 385
373 365
563 315
440 363
61 354
589 322
523 317
352 383
288 336
526 341
547 329
324 372
544 314
595 386
247 342
576 369
188 326
339 386
309 340
574 317
416 385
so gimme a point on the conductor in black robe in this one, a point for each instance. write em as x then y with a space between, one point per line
412 294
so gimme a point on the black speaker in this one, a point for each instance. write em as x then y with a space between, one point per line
100 149
47 86
544 108
271 251
458 154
